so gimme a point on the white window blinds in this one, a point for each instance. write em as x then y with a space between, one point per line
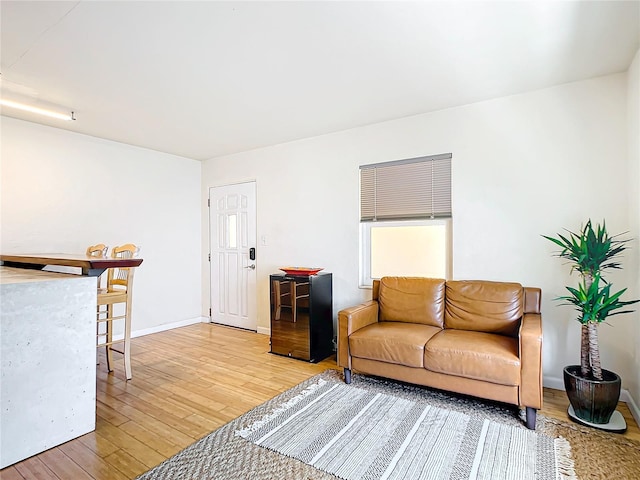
406 189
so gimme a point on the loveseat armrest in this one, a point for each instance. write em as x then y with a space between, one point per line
530 339
350 320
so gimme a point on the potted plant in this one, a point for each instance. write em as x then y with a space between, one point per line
593 391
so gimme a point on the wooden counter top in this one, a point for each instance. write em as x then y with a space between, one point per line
91 266
9 275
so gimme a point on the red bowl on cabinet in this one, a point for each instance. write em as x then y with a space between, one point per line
301 271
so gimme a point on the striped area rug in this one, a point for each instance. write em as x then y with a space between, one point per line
356 434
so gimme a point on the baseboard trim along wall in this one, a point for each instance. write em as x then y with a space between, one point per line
264 330
633 406
164 327
625 396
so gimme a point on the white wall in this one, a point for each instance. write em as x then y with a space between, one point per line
633 116
63 191
523 166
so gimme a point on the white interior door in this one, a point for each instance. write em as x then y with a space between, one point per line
232 239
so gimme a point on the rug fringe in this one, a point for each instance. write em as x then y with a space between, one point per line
564 463
245 432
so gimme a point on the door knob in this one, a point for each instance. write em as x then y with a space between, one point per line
252 266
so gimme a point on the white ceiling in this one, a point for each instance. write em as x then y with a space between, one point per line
203 79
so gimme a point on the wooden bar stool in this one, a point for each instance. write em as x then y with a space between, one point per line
118 290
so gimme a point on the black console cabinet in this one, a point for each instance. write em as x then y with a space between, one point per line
302 316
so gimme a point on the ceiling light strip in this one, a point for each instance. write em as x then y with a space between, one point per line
37 110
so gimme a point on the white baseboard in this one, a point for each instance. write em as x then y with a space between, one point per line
168 326
633 406
625 396
553 382
264 330
163 327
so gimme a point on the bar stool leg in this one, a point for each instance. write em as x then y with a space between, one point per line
97 334
109 326
127 340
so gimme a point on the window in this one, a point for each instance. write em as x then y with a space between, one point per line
405 218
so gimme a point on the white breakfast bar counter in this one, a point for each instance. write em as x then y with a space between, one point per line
48 358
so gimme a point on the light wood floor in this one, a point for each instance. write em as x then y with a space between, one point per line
186 383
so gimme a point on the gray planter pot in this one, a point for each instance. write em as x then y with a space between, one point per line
593 401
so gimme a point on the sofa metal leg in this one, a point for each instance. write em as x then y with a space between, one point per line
347 375
531 418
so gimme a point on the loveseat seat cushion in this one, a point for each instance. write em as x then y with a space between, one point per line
483 306
412 300
481 356
392 342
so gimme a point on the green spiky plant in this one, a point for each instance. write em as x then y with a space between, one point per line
590 252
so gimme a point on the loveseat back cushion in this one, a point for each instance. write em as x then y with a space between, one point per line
483 306
412 300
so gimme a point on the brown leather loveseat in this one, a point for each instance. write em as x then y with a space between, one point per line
478 338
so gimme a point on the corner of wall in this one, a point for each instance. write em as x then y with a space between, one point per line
633 141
